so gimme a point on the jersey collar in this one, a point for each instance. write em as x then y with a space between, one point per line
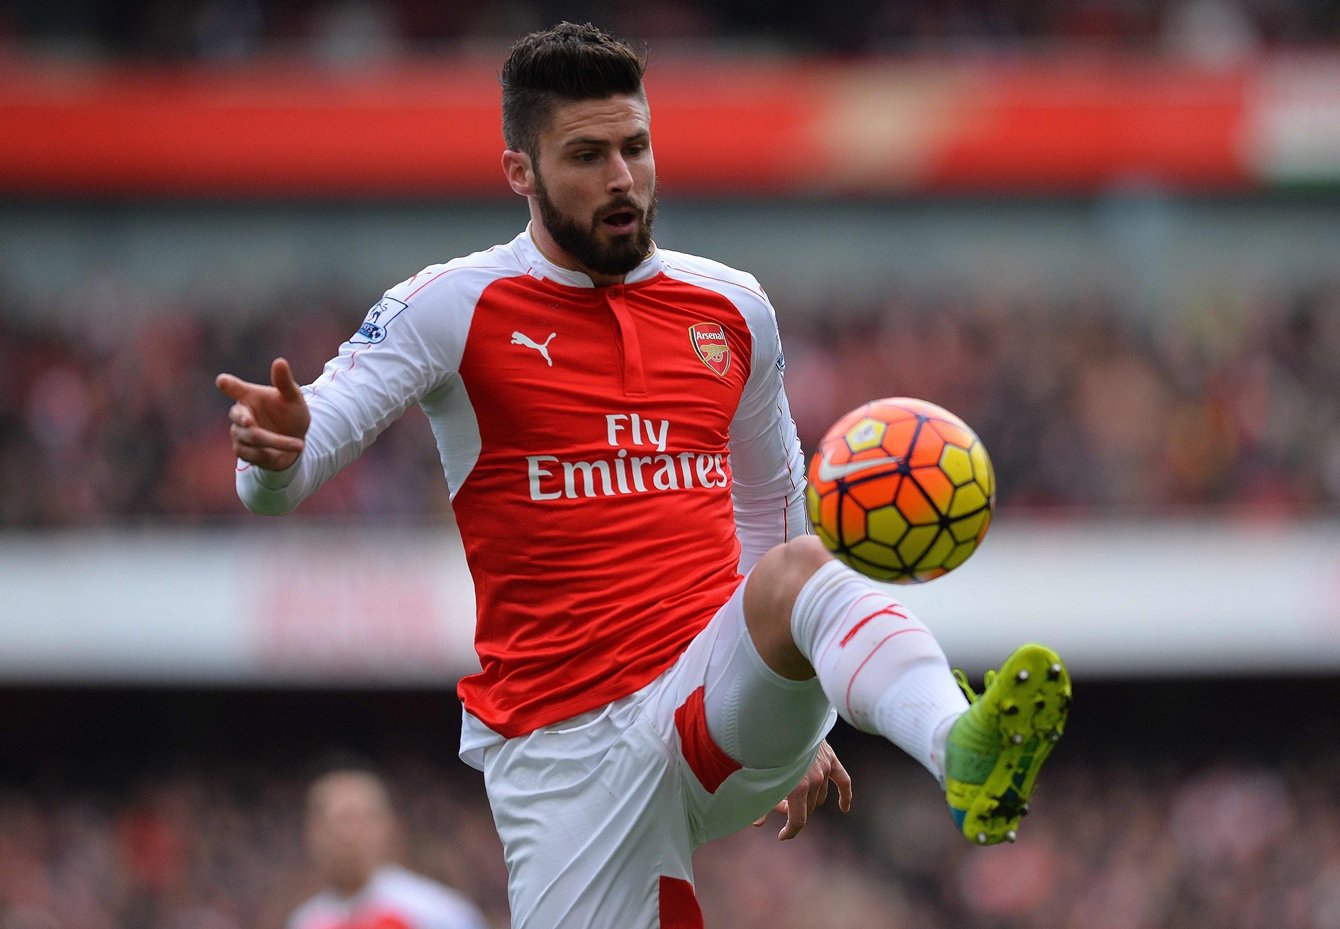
541 267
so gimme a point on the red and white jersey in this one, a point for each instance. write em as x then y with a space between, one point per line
615 455
393 898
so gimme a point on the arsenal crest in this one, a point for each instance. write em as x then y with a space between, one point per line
709 341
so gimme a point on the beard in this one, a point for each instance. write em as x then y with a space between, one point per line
583 242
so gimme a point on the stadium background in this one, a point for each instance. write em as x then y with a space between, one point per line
1105 232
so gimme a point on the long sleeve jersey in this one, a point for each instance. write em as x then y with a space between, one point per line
616 456
394 898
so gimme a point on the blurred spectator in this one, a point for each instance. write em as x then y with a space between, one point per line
353 31
1081 404
1165 842
1211 30
351 832
209 848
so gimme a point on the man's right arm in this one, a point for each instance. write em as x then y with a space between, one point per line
290 440
267 423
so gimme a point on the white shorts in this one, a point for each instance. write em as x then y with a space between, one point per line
599 815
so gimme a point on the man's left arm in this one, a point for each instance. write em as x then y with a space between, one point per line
767 464
768 469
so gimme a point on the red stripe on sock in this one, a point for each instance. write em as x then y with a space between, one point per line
679 905
707 760
888 610
861 667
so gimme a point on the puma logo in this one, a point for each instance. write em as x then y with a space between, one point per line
520 338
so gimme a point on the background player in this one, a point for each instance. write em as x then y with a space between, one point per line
636 699
351 831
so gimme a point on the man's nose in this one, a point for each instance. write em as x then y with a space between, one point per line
621 178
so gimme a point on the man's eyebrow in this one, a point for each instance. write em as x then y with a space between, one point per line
591 141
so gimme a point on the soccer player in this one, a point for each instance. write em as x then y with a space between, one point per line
620 453
350 831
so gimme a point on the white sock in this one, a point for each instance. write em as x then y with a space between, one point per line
878 664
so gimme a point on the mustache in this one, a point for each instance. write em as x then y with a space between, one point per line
620 203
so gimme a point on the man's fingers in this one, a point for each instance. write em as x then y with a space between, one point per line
264 448
842 779
281 409
281 376
832 770
268 459
271 459
779 808
233 387
837 774
239 414
258 439
797 812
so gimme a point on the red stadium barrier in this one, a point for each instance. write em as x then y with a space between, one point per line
721 127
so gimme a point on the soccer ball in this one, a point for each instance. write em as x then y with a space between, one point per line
901 490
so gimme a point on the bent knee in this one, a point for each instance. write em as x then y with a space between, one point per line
770 596
786 567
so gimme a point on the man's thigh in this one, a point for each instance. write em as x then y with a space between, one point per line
591 820
599 815
742 735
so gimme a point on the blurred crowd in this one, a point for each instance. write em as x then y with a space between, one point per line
216 848
108 415
1225 402
1228 844
364 30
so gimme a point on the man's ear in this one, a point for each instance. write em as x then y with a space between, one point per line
519 172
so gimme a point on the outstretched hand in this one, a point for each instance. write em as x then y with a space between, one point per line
813 791
268 421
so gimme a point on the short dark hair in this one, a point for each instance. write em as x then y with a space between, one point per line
341 763
563 63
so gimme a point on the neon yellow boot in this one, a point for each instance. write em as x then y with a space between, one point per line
994 750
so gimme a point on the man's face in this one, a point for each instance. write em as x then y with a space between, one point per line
349 828
595 183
